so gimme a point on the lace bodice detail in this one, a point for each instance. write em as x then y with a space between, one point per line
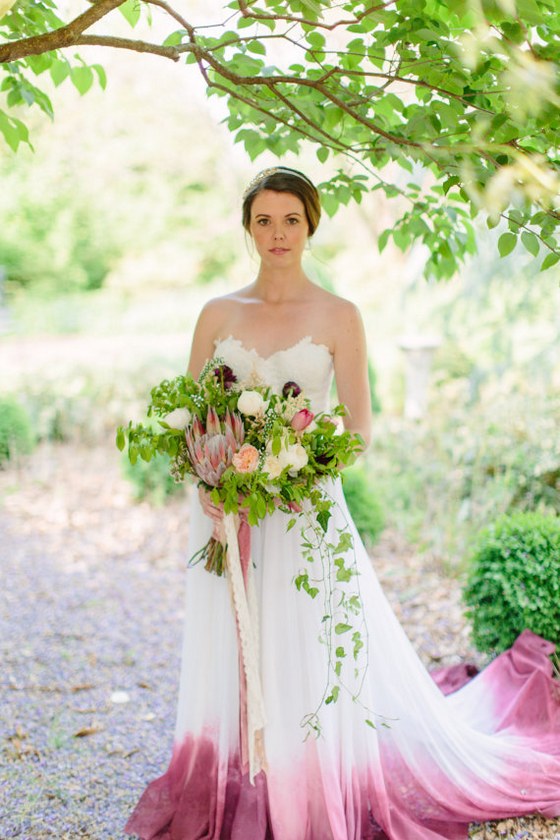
307 363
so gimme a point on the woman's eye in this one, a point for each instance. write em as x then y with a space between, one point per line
293 221
262 222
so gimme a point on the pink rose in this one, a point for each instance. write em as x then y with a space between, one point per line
302 419
246 460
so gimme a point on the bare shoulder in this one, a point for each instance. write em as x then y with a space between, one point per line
338 311
214 314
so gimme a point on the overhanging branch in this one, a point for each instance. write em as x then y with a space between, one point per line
65 36
128 44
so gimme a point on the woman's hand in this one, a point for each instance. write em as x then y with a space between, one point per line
214 512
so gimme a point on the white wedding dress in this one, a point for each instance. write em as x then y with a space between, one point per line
431 765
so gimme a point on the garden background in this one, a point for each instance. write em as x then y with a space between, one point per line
113 232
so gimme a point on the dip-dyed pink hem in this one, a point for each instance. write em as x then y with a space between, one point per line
205 795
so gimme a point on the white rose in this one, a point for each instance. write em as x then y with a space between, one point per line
296 457
284 457
178 419
251 403
272 466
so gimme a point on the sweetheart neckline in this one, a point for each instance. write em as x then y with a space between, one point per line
305 338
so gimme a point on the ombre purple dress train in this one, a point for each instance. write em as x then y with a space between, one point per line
431 765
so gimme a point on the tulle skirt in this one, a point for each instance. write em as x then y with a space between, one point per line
391 758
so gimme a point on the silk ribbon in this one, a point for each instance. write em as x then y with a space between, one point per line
243 595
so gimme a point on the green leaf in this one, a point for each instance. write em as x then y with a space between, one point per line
59 70
120 438
341 628
323 519
531 242
506 243
131 11
322 153
256 47
101 75
174 38
245 22
333 696
383 239
13 131
82 78
549 261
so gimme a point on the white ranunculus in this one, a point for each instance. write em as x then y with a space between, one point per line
272 466
178 419
251 403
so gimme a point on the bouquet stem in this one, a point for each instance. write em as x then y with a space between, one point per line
213 554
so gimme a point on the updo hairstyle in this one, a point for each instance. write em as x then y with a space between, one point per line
283 179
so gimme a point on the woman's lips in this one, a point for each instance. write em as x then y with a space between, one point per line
279 250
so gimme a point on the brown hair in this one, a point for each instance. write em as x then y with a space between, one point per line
283 179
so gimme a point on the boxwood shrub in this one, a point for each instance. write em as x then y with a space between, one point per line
514 581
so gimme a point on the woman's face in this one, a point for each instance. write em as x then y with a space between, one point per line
279 228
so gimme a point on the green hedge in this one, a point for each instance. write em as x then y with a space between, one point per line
514 581
16 432
363 504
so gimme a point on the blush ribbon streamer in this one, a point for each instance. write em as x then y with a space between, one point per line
243 596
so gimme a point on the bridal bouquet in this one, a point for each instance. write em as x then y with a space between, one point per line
253 450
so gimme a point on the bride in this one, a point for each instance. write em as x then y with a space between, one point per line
426 765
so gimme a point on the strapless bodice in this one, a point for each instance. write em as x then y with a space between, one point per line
307 363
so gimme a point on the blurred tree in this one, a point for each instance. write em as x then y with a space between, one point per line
462 94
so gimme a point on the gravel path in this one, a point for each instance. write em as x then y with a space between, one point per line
90 625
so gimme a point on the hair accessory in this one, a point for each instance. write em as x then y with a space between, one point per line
273 170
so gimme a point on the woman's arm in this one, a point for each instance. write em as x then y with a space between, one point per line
207 329
351 370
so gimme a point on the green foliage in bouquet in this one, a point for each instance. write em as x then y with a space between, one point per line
363 504
16 434
212 407
514 581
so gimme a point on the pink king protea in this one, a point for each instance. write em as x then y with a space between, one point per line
211 449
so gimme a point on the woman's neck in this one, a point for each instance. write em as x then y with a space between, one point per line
281 285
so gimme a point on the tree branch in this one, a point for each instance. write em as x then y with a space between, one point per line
272 81
127 44
175 15
65 36
247 13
